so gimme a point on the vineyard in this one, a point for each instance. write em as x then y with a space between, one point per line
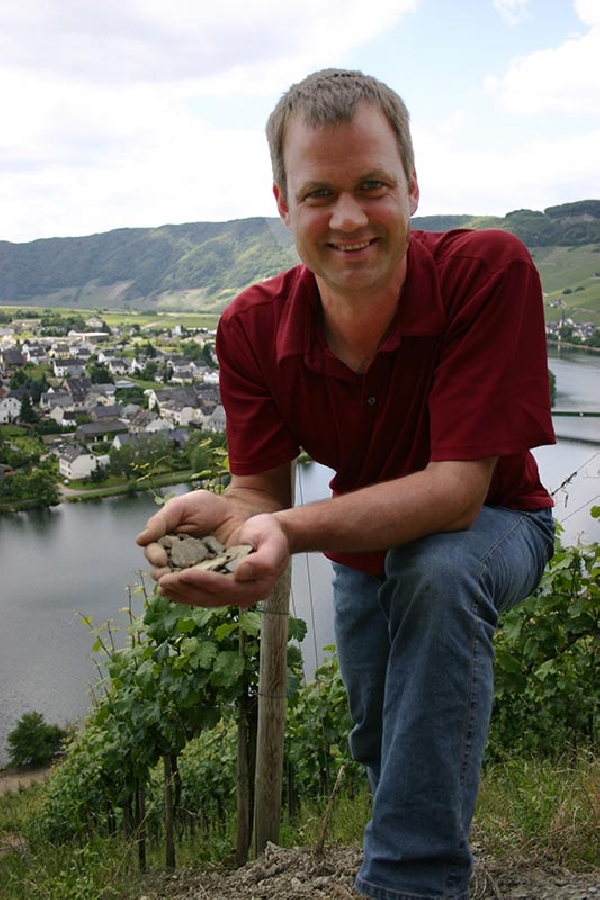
167 756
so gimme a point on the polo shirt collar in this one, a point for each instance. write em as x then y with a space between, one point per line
420 311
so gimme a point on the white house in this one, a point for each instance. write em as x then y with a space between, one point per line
76 462
10 410
68 368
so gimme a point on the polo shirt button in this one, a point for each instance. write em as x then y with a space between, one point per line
371 401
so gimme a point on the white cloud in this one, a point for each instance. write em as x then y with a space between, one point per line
589 12
150 40
104 105
563 79
536 175
141 112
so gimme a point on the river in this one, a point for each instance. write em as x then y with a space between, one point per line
81 558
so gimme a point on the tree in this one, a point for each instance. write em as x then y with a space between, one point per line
43 486
99 373
28 414
149 371
34 742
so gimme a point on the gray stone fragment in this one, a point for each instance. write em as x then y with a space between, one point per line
185 551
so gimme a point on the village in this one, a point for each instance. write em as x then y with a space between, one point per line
103 400
102 389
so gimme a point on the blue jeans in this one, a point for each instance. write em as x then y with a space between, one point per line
417 660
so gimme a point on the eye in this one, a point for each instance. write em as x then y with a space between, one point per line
372 186
318 195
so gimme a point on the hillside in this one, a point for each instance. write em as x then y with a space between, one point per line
199 266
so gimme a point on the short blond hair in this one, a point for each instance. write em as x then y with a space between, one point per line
331 96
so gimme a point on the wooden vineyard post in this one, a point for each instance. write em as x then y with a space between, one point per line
271 711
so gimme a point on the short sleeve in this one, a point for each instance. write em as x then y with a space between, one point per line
490 395
257 437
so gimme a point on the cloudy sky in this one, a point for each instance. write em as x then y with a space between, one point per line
121 113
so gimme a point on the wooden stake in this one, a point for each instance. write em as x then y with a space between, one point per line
271 715
271 711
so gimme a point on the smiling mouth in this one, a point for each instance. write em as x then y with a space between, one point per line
352 248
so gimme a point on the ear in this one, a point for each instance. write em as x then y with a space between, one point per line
413 194
282 207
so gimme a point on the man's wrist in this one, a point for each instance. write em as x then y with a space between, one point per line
284 521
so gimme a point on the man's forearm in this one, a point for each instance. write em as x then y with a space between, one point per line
267 492
444 497
247 502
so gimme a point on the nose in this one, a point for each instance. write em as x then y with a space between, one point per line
347 214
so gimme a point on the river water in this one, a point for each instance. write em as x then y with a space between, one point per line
80 559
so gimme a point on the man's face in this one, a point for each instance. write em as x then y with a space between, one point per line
348 203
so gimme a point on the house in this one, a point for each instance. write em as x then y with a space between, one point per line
68 368
35 353
179 406
28 324
103 412
216 422
5 470
100 393
176 436
99 432
60 350
55 399
158 425
12 359
10 410
129 411
127 440
118 366
78 388
66 418
75 462
94 323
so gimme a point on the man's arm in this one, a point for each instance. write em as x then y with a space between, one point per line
445 496
263 493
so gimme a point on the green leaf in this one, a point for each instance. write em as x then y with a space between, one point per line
228 668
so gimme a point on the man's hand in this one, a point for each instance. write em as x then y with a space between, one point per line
252 580
198 513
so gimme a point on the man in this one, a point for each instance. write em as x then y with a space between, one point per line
414 365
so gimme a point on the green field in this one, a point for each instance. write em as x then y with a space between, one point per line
126 318
575 270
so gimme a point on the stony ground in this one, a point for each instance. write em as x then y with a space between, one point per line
296 874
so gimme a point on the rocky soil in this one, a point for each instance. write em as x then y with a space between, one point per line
297 874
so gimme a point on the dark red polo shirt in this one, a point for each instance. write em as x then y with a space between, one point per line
462 375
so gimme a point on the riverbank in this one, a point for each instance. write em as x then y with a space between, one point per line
77 495
14 780
81 494
565 345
